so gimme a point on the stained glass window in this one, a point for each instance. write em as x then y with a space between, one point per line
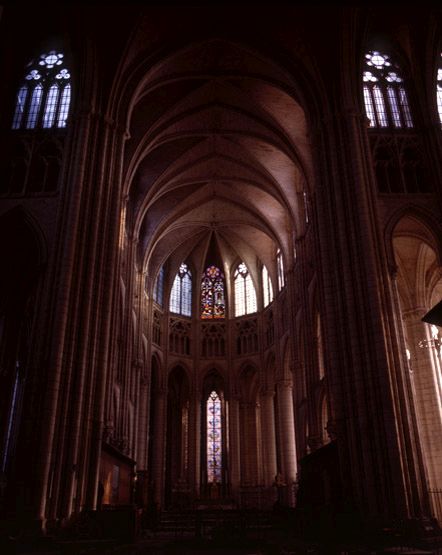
181 294
280 268
158 288
385 97
267 287
439 88
245 295
214 438
212 293
43 99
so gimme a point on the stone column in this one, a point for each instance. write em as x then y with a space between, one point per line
235 446
159 446
287 431
195 443
268 438
426 379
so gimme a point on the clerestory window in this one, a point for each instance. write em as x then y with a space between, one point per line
43 100
245 295
159 287
213 303
385 96
439 88
181 294
280 269
267 288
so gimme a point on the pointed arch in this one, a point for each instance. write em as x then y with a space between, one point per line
43 99
181 294
267 287
385 93
244 291
213 303
428 228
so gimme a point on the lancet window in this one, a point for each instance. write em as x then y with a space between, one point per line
212 294
43 99
385 96
181 294
245 295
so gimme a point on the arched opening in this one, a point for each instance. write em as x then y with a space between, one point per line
419 287
18 285
153 427
249 428
177 437
214 438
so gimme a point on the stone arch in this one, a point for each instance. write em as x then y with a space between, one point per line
428 228
418 285
23 261
177 433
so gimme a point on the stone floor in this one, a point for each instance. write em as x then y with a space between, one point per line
184 546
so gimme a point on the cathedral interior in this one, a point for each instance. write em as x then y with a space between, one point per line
221 231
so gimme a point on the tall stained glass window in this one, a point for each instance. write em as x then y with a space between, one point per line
158 288
214 438
212 294
181 294
44 97
280 269
439 88
245 295
385 97
266 287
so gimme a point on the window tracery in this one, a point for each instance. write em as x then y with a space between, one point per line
212 294
214 438
181 294
245 295
43 100
385 97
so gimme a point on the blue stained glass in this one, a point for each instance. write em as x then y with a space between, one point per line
20 107
387 91
158 288
35 107
64 106
49 90
214 438
51 105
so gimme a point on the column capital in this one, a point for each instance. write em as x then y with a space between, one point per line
284 384
415 313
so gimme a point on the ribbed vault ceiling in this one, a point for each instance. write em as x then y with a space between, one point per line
218 144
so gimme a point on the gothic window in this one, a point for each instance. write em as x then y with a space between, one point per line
214 438
212 294
439 88
280 268
245 295
385 97
44 97
267 287
158 287
181 294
